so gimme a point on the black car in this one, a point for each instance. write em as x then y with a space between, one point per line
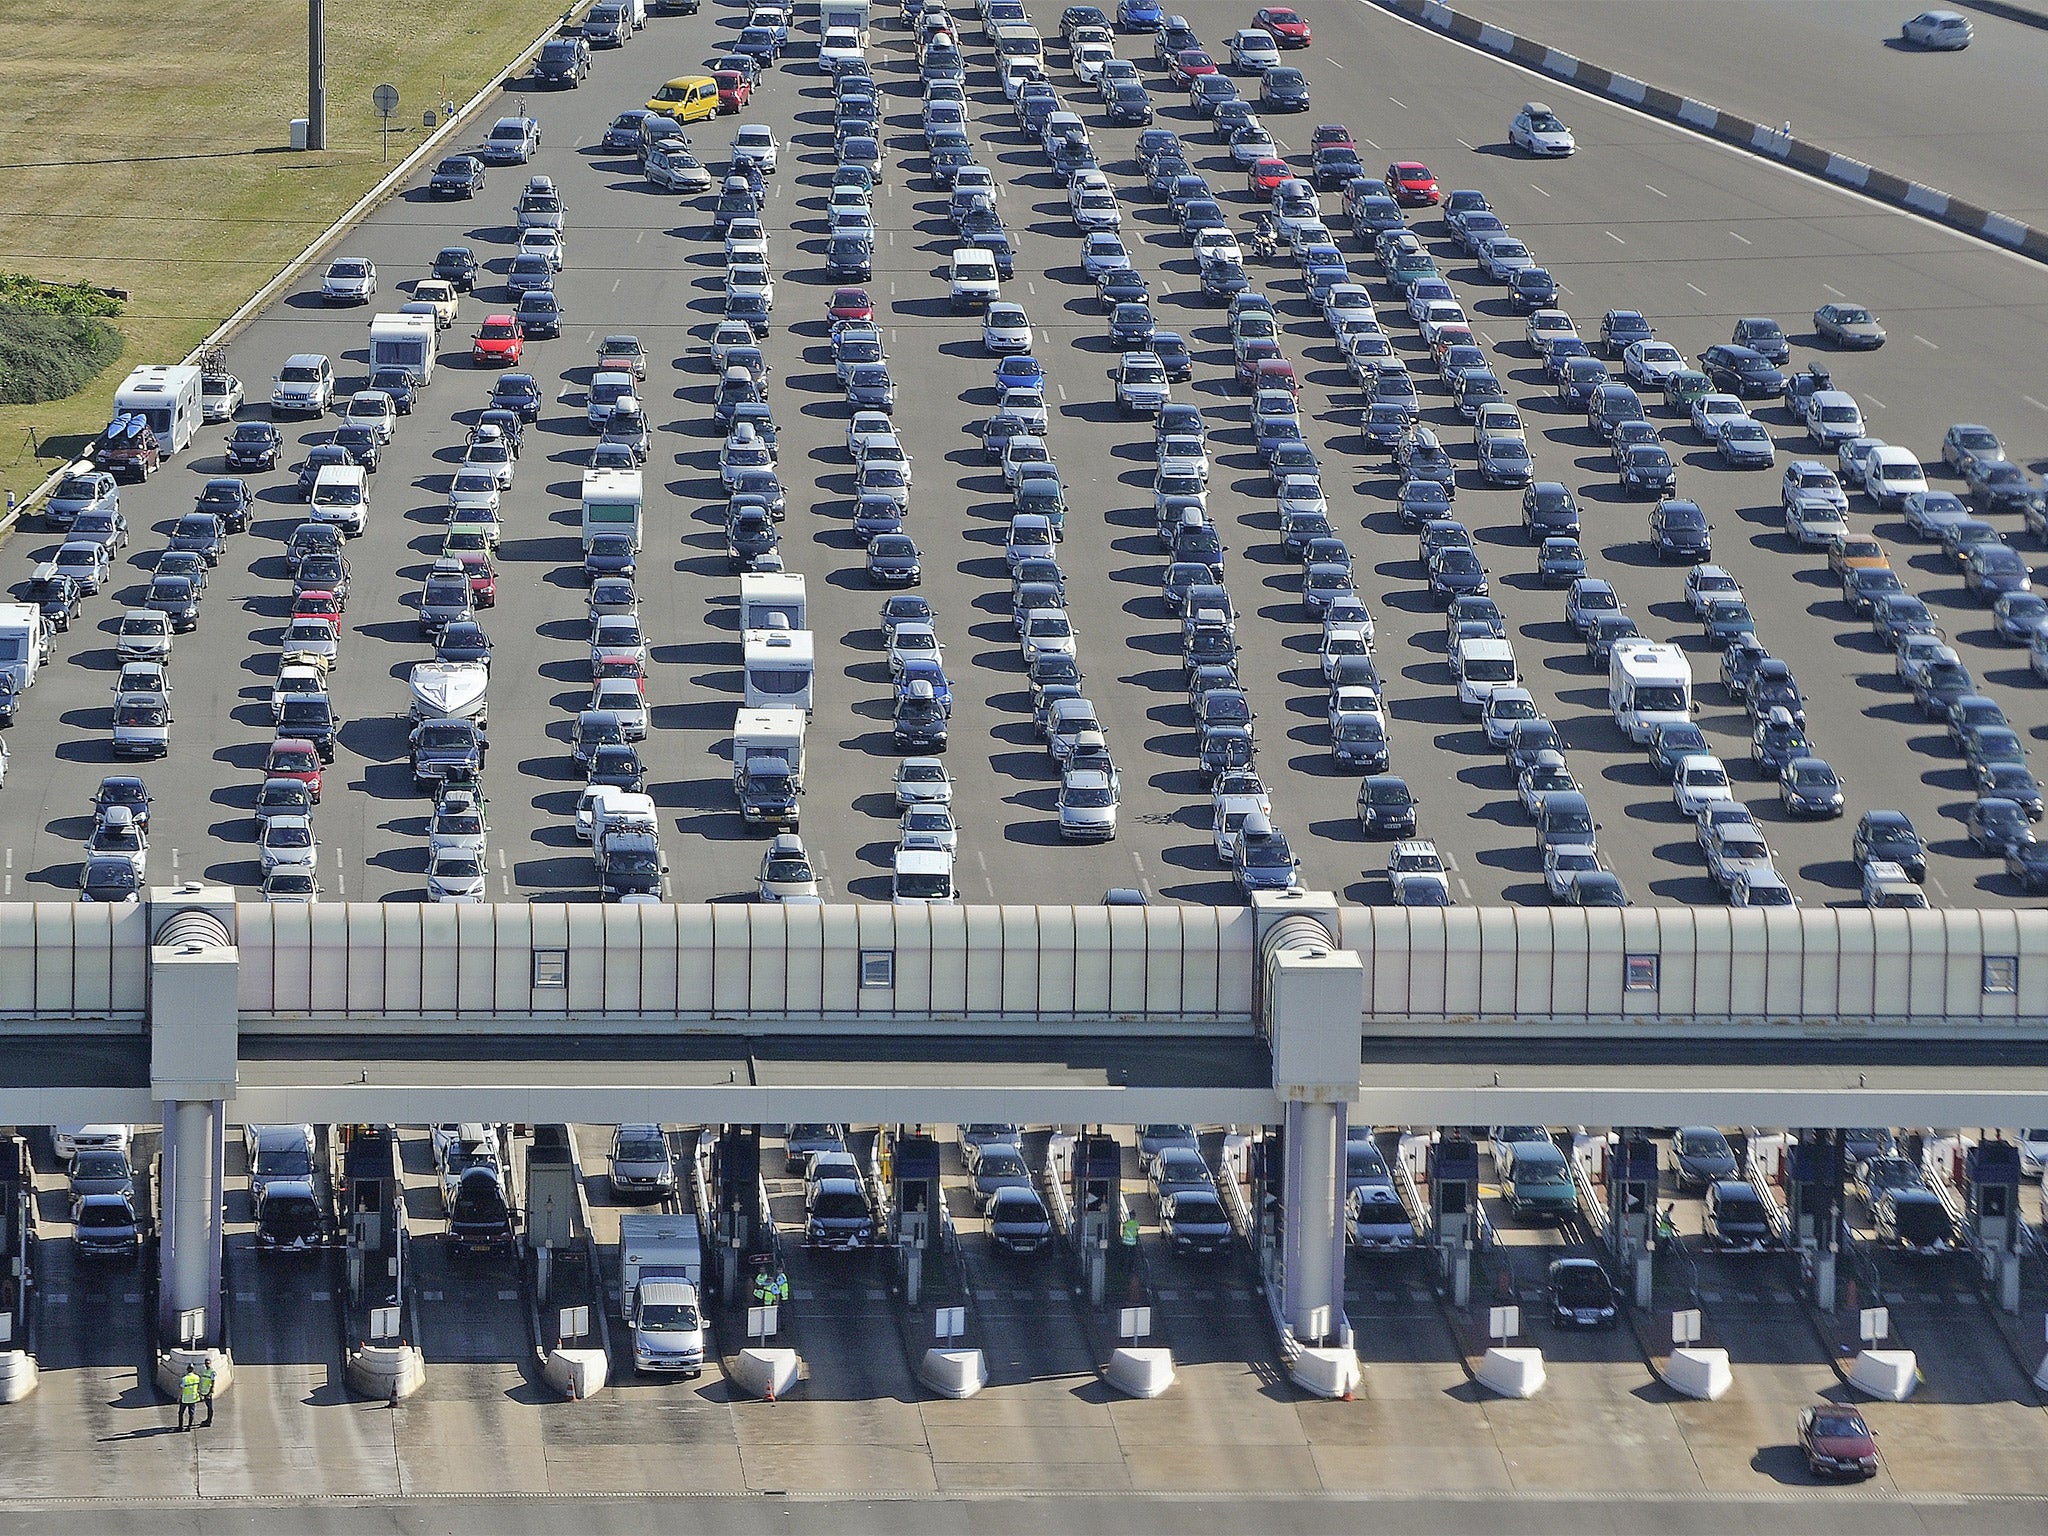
1284 90
1123 286
254 445
1763 336
849 256
1742 371
320 456
1889 837
615 765
58 596
1385 806
892 561
517 392
540 312
1581 1295
1647 470
228 499
177 599
1335 168
1129 105
1548 510
1680 530
456 264
400 384
457 176
463 640
1532 288
311 717
563 61
1172 350
362 445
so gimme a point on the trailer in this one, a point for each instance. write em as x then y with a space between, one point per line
768 765
404 341
167 398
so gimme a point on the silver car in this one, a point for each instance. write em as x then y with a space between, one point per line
642 1165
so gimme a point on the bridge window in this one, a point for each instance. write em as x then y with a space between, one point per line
1640 974
878 968
550 968
2002 974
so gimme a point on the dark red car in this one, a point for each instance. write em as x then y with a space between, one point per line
850 304
1286 25
316 605
1250 354
1192 63
483 577
1837 1442
733 90
294 757
1410 183
1331 136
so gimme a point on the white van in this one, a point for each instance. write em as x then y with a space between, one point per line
975 282
1482 664
922 877
24 644
1648 684
341 495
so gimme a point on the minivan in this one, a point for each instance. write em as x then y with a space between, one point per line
687 98
341 495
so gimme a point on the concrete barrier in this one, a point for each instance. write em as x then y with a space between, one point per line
1326 1372
1758 138
1513 1371
18 1375
954 1373
1699 1373
1891 1374
386 1373
1142 1372
576 1373
767 1372
171 1365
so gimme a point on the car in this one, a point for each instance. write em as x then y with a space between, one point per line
349 280
922 780
1745 443
1536 130
1581 1295
1411 184
1941 31
1834 1437
1849 326
511 141
1252 51
1931 514
1807 786
1286 25
457 175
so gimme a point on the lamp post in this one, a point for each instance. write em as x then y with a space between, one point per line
316 74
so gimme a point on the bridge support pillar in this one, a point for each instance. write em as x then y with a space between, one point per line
1313 1288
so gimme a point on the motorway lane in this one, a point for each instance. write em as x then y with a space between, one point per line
1611 241
1969 123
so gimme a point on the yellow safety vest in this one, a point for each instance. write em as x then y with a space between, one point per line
206 1381
188 1389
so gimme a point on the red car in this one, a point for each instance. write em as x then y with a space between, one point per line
850 304
1275 373
1837 1442
483 577
294 757
1251 353
501 341
1331 136
733 90
1409 182
619 664
1192 64
1286 25
316 605
1267 174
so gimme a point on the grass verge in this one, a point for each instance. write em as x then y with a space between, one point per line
155 159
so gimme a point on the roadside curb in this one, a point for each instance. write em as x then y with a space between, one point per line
1758 138
289 272
2025 15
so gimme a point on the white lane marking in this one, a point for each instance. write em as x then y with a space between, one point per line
1282 145
1696 288
892 237
2037 405
1564 290
1930 346
174 861
1534 188
340 881
642 235
1473 147
562 395
1465 891
1743 238
1371 144
1340 66
1658 190
1614 237
1831 288
1488 339
892 289
1401 104
505 884
1876 402
1030 287
501 858
1939 889
9 886
10 858
1063 391
615 283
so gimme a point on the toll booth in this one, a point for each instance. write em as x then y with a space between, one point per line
373 1214
1632 1208
551 1206
1098 1179
1815 1169
1454 1212
911 1164
17 1240
1991 1207
745 1231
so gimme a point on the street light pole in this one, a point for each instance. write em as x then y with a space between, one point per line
316 74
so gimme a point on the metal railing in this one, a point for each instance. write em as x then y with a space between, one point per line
1767 1192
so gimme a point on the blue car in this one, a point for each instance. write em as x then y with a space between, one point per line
876 514
517 392
1020 371
1139 16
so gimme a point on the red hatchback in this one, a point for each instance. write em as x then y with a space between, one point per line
1265 175
501 341
1192 63
316 605
1409 181
850 304
294 757
733 90
1286 25
483 577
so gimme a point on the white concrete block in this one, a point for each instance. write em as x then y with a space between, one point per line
1327 1372
2004 228
1926 199
1143 1372
1512 1372
1564 65
18 1375
1700 1373
1852 172
1627 89
1495 40
1699 114
767 1372
1891 1374
576 1373
386 1372
954 1373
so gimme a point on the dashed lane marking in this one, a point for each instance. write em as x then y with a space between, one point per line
1658 190
1743 238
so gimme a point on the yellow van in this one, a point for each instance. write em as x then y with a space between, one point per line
687 98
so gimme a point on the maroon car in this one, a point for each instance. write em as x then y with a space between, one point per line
1837 1442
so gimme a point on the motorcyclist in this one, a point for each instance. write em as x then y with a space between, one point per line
1265 237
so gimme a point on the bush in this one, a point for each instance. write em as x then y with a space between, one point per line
49 356
30 296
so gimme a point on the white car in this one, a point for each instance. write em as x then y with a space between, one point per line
915 640
787 873
1537 131
866 427
474 489
2033 1153
1087 807
1700 780
1028 406
1563 866
755 144
1943 30
923 781
70 1140
1005 329
1047 632
144 635
1650 363
1704 584
928 826
751 277
1546 327
1416 873
1813 523
747 240
1089 59
374 409
455 874
490 456
1252 51
288 840
458 823
543 242
1218 245
349 280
